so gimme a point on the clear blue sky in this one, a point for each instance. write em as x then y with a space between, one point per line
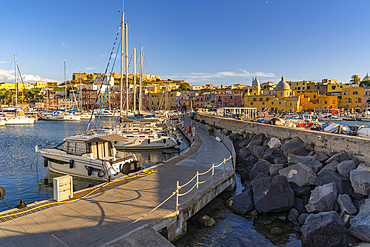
200 41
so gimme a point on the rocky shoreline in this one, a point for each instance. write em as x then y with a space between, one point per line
326 195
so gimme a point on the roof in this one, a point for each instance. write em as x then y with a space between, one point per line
282 85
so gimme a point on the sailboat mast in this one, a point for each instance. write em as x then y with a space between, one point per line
15 80
134 79
141 79
121 88
80 93
65 86
127 88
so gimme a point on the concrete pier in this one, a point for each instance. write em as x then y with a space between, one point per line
112 215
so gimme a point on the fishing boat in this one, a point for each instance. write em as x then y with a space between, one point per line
89 156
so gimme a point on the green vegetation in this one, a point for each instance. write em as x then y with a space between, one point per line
364 83
355 79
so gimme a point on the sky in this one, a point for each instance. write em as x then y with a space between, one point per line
199 41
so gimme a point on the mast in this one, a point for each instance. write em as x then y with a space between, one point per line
126 44
65 86
15 81
80 93
141 79
134 79
121 88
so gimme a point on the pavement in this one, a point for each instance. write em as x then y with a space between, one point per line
112 216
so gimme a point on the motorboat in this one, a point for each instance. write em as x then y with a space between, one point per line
19 119
363 131
86 116
2 122
60 115
88 155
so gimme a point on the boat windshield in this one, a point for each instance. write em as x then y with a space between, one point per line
73 147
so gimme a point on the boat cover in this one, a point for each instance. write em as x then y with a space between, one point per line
107 138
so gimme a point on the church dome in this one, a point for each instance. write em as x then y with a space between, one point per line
366 78
255 81
282 85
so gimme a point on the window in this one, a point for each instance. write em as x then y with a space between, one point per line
314 96
359 100
303 83
349 100
326 102
254 99
236 97
333 102
308 87
290 104
287 93
333 87
261 99
272 103
355 93
263 103
344 92
299 88
279 103
251 103
281 93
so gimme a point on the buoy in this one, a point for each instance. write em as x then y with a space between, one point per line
22 204
101 174
2 193
71 164
46 162
89 170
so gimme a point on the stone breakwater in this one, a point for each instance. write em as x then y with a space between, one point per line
326 195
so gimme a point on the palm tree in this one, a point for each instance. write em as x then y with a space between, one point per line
356 79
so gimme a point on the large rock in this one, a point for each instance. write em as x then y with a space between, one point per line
304 191
280 160
346 205
205 220
293 146
360 225
262 166
275 168
329 167
272 153
259 151
243 143
272 194
323 229
242 203
310 161
341 156
258 139
300 175
300 204
321 156
345 167
360 179
342 184
243 153
323 198
274 143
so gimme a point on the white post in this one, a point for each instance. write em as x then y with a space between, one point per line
224 168
177 198
213 172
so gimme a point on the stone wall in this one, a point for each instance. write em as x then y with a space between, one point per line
356 147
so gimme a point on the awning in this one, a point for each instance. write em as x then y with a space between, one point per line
107 138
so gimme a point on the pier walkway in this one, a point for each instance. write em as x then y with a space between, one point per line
111 213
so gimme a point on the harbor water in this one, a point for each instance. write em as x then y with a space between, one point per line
22 173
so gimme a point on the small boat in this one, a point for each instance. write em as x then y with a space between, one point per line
19 119
363 131
86 116
89 156
2 122
331 128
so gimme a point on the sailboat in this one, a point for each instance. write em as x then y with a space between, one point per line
20 117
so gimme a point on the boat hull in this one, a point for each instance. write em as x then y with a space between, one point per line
19 121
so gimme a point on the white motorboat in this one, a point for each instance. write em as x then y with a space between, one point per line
61 116
19 119
86 116
2 122
90 156
363 131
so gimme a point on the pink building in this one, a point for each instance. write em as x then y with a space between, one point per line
366 98
199 101
228 100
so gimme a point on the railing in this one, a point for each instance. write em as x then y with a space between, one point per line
199 182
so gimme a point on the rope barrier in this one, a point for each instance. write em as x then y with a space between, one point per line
195 185
131 175
188 182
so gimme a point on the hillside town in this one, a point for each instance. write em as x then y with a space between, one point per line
285 96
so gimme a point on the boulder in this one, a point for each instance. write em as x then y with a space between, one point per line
205 220
323 229
300 204
346 220
346 205
299 175
323 199
242 203
249 162
342 184
259 151
360 224
293 146
302 218
248 136
272 153
321 156
280 160
275 168
293 215
272 194
265 143
243 143
341 156
262 166
258 139
345 167
310 161
248 185
274 143
243 153
360 179
329 167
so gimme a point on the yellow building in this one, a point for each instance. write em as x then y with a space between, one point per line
352 99
312 100
284 99
256 87
41 84
336 89
301 86
158 100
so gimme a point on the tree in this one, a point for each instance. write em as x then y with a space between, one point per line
185 86
356 79
365 83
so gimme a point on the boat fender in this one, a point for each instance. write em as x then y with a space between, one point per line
178 142
101 174
137 165
164 141
71 164
89 170
46 162
148 141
